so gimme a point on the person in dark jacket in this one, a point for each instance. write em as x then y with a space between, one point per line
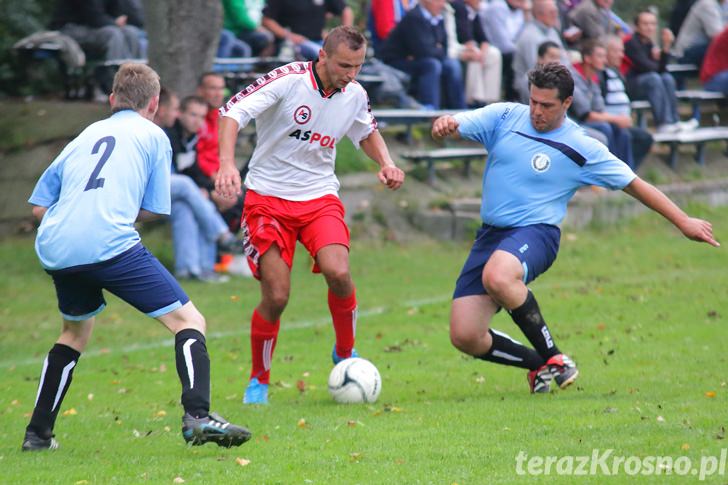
418 46
648 78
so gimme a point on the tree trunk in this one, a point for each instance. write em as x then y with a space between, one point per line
183 38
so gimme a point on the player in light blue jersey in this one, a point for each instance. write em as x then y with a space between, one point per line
116 172
537 159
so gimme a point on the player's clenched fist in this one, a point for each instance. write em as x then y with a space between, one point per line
392 177
227 181
444 126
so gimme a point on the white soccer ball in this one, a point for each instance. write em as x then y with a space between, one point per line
355 380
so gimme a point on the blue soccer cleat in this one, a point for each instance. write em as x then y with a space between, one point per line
336 359
256 393
213 429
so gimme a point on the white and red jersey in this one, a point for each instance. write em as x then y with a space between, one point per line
298 125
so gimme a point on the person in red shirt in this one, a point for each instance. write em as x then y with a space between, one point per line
714 73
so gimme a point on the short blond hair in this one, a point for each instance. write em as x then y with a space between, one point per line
134 86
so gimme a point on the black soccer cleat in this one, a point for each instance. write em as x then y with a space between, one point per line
213 429
563 370
33 442
539 380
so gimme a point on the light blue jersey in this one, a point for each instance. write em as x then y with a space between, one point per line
530 176
95 188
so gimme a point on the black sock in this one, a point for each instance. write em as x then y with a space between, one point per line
529 319
193 368
55 378
507 351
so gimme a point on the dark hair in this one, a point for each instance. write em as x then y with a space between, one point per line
552 75
342 34
165 96
638 14
205 75
190 100
589 46
545 46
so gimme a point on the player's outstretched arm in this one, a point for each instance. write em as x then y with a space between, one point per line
227 179
445 126
377 150
693 228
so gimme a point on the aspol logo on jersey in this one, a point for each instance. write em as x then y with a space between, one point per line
325 141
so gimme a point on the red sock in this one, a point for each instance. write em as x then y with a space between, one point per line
263 337
343 313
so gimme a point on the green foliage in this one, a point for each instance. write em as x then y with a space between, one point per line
349 159
641 310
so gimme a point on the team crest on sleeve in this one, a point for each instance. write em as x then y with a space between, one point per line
302 115
540 162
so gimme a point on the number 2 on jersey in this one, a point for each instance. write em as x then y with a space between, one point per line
93 181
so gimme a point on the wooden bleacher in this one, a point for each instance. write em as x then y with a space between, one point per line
431 157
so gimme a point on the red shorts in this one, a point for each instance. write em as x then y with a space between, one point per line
268 220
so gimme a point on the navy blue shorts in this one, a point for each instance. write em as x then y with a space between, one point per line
535 247
135 276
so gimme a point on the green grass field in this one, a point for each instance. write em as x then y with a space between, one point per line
641 310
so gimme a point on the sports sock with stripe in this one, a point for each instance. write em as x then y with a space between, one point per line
529 319
193 368
55 379
263 338
343 314
507 351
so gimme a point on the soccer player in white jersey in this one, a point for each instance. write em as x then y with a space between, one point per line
301 110
537 159
114 173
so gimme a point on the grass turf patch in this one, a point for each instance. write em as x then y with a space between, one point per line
640 309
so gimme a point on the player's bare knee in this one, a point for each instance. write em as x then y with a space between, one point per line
497 283
339 279
462 339
277 298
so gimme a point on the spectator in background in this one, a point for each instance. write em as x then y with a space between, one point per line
100 33
502 22
133 10
714 73
384 15
593 18
197 227
418 46
647 77
243 18
587 107
616 101
483 66
704 21
543 27
678 14
211 88
301 22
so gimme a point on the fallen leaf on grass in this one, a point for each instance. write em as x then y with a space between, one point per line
90 396
161 413
178 480
81 482
660 419
283 384
720 435
302 423
356 456
70 412
301 385
685 447
234 298
14 402
242 461
710 394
